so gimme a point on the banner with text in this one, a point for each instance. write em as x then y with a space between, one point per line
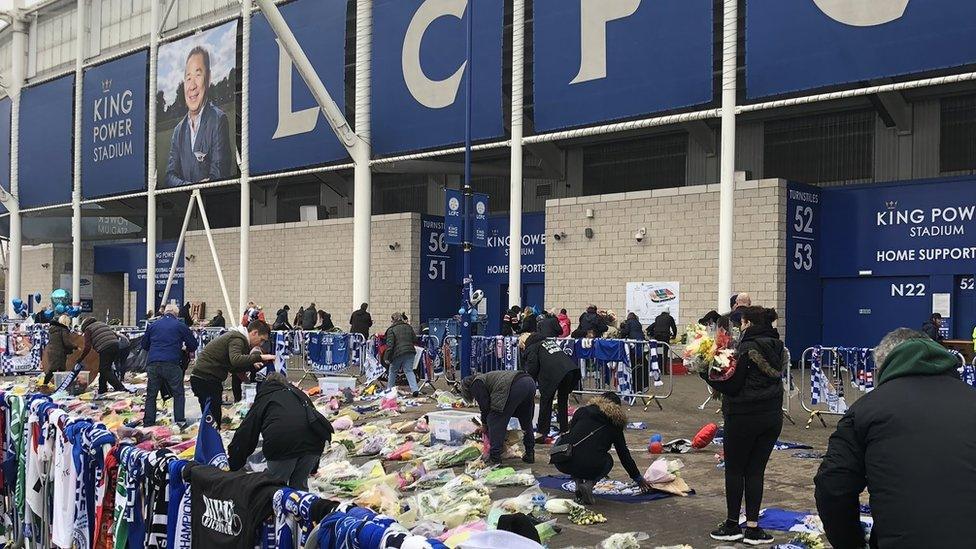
113 127
599 60
420 73
793 46
453 217
289 130
479 223
45 158
902 229
804 314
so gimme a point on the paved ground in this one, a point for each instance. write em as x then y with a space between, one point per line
673 521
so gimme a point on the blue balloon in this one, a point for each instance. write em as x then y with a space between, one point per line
49 314
17 303
461 311
59 308
74 312
37 297
656 438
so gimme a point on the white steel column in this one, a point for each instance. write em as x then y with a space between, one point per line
515 204
362 175
245 267
727 169
18 51
151 161
213 252
76 193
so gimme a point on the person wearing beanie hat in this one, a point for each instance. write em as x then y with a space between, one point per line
885 443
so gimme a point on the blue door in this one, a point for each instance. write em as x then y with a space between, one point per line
964 304
858 312
534 295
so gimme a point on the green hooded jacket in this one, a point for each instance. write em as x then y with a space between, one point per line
917 357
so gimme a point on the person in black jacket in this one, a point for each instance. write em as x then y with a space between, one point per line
309 316
294 432
594 429
217 321
664 328
360 322
502 395
325 322
557 375
752 402
591 324
885 443
510 322
548 325
631 328
933 326
281 319
185 314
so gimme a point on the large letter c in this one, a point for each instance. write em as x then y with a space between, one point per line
433 94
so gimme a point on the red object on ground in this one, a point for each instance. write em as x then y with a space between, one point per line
704 436
656 448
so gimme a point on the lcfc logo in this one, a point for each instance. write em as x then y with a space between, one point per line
863 13
454 204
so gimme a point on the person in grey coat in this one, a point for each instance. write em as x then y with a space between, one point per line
309 316
100 338
501 395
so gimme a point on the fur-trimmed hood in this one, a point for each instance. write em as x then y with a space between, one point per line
614 412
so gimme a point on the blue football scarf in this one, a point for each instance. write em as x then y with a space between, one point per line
210 448
178 528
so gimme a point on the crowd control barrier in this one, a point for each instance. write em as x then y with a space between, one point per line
428 362
635 370
834 373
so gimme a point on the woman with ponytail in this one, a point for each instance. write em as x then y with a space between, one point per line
752 402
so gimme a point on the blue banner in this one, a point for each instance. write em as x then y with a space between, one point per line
131 259
803 310
289 130
900 229
46 126
479 223
453 216
4 146
113 127
438 271
491 264
597 60
420 73
793 46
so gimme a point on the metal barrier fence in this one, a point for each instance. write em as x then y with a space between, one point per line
631 368
429 360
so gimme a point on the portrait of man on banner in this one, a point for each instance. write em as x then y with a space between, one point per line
198 84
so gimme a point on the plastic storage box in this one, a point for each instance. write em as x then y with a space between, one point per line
451 426
333 385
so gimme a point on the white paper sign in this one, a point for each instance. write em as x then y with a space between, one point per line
649 299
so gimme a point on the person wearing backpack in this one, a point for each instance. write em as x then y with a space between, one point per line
594 429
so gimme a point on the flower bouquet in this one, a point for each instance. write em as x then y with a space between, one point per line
710 350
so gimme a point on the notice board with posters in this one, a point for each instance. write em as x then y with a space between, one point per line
649 299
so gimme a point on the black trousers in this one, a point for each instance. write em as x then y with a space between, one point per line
749 440
585 468
521 404
562 391
209 391
106 374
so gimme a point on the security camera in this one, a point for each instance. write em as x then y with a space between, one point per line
559 236
640 234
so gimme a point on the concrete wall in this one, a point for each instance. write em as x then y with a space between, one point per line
296 263
107 290
681 245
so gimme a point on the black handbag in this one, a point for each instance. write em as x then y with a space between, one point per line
561 453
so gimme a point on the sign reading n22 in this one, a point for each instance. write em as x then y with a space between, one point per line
420 72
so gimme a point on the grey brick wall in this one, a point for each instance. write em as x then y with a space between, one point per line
296 263
681 245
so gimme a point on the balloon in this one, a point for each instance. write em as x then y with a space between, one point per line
656 448
704 436
49 313
461 311
37 297
59 308
17 303
656 437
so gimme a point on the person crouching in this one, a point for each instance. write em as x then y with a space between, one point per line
502 395
592 431
294 432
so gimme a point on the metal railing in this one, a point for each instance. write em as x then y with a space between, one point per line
789 388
